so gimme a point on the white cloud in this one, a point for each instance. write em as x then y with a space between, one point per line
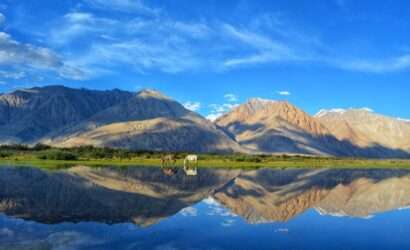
17 55
161 43
282 230
79 17
73 72
216 209
220 108
70 240
13 52
189 211
217 110
164 56
123 6
17 75
266 49
193 106
252 39
386 65
91 45
213 116
228 223
74 25
140 44
231 97
283 92
292 46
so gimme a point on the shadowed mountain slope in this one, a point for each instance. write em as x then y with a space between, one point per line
27 115
143 196
148 121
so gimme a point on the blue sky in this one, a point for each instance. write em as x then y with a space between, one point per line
212 55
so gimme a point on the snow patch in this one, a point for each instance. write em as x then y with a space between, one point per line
211 201
262 100
324 112
403 120
367 109
323 212
189 212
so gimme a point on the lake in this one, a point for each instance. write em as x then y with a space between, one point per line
152 208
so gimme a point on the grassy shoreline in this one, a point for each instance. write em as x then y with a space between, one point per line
212 163
46 157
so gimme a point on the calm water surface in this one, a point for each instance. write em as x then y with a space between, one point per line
148 208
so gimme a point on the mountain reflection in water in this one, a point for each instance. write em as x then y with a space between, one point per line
122 208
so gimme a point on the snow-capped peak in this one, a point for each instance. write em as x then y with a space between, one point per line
259 103
403 120
367 109
262 100
324 112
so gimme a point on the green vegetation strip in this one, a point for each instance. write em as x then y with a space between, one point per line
53 158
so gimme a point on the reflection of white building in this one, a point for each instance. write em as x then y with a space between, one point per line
190 165
190 171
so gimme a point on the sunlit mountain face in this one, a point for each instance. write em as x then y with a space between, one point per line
215 55
101 208
148 120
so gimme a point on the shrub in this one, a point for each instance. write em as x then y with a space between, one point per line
15 147
58 155
40 147
4 154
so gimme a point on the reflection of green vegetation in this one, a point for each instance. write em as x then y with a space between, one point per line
46 157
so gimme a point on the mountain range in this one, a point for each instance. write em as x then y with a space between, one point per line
145 196
148 120
267 195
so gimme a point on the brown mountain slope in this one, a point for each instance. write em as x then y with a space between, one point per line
365 128
27 115
274 195
365 197
109 195
268 195
148 121
279 127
